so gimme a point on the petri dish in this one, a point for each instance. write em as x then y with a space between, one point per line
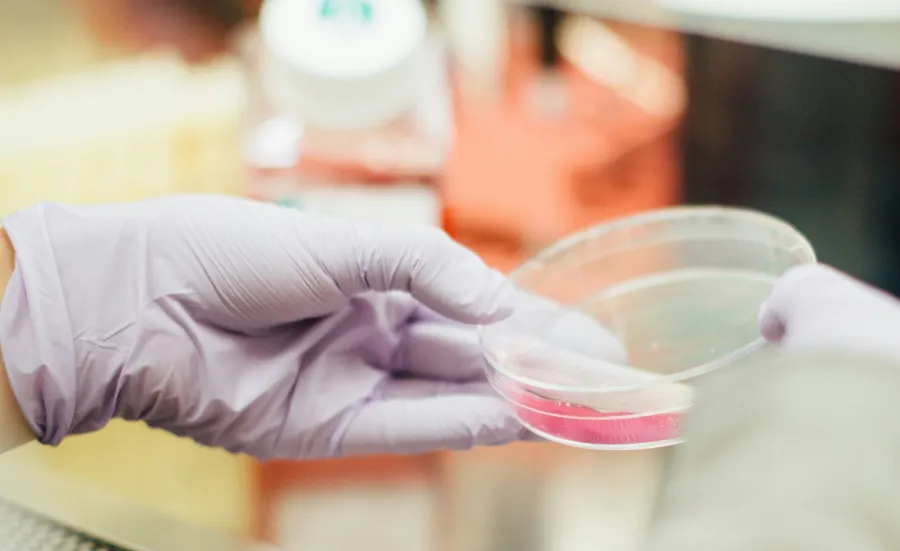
617 324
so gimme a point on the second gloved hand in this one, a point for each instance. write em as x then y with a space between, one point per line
250 327
817 308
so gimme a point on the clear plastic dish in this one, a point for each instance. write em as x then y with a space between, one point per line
618 323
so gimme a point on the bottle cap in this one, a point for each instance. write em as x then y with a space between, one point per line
343 64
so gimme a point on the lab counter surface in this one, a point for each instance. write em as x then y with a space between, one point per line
591 500
83 508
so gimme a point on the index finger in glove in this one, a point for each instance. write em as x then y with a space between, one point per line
428 264
539 318
437 348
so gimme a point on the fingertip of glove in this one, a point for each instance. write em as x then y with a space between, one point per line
797 286
485 298
770 325
503 299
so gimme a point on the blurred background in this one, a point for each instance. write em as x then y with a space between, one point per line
510 125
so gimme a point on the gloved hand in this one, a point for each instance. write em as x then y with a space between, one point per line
785 452
250 327
816 307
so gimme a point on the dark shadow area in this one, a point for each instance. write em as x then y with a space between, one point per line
814 141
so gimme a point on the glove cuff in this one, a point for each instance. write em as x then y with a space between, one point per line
35 334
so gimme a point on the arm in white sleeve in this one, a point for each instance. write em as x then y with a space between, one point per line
792 454
14 429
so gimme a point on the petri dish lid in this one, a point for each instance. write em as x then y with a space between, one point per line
648 301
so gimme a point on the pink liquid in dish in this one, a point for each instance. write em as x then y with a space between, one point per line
584 425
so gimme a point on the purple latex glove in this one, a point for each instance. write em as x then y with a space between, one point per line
816 307
250 327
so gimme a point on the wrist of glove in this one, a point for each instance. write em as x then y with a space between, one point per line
14 429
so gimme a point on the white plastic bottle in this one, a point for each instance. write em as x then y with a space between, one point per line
351 110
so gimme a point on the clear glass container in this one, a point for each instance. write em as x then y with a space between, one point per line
622 319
